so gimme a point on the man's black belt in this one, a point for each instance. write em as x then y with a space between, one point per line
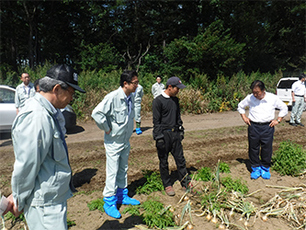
298 95
261 123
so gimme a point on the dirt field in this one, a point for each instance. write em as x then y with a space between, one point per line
208 138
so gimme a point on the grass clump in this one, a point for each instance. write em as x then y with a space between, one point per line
224 167
70 223
289 159
96 204
153 183
153 213
203 174
237 185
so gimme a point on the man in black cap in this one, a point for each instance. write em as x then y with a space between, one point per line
168 133
41 180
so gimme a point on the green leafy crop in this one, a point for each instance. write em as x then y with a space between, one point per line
96 204
224 168
153 183
289 159
153 213
236 185
203 174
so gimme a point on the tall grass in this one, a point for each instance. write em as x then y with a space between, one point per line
201 95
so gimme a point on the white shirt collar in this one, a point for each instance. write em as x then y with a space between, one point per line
165 95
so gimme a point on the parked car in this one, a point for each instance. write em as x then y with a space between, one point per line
283 89
7 108
70 117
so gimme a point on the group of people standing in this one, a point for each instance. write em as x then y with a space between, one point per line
42 177
115 116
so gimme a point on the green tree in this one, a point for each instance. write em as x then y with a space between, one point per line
95 57
212 52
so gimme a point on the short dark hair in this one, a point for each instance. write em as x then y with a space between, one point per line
302 75
159 77
36 83
127 76
258 83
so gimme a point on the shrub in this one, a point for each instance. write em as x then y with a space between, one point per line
202 94
289 159
153 183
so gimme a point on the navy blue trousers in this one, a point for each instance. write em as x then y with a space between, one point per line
260 144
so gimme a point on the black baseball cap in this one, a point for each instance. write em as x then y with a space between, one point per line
175 81
66 74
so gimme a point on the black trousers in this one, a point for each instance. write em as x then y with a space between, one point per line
172 143
260 144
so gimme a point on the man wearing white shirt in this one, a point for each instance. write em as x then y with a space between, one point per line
298 98
158 87
23 91
261 122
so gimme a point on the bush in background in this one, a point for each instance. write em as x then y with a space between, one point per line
201 95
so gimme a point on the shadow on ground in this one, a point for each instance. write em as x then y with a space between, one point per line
83 177
246 162
75 129
128 223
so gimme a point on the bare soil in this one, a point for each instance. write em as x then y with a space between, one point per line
208 138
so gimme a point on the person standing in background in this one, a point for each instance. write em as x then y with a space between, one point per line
261 122
24 91
115 115
137 105
298 99
158 87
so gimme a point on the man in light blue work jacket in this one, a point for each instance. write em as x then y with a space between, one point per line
138 97
24 91
41 180
115 115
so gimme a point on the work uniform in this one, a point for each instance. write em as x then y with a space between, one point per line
260 134
41 180
168 127
298 88
115 112
157 89
137 104
23 93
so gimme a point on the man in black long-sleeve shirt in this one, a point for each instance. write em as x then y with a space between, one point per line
168 133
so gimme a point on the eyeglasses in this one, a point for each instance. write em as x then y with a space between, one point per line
135 82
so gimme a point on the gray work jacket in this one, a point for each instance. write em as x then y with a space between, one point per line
113 113
42 172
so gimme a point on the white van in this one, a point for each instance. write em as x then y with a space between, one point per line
283 89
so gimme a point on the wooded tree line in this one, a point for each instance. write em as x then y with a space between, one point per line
184 38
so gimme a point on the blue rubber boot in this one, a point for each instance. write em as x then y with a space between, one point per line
110 207
265 173
138 131
256 172
123 198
